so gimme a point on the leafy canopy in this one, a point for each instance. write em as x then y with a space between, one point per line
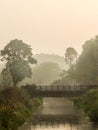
87 64
70 55
18 56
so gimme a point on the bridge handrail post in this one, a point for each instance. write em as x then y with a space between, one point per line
39 88
51 88
46 88
57 88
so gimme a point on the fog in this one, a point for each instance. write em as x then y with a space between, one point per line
48 25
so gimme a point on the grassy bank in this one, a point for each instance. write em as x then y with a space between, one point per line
16 106
89 104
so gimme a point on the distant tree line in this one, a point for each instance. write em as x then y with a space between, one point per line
83 68
85 71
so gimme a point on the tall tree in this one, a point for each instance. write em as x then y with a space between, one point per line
70 55
87 64
18 56
6 78
45 73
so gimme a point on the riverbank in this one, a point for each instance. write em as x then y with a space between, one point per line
57 114
16 107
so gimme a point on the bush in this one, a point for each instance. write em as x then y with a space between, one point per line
89 103
30 89
15 107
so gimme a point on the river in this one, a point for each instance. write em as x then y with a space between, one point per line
59 106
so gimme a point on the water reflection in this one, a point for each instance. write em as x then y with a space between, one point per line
57 127
58 106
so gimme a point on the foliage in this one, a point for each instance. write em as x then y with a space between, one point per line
45 73
70 55
15 107
86 69
6 78
64 80
43 57
30 89
18 56
89 103
67 76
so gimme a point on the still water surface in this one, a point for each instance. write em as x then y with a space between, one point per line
59 106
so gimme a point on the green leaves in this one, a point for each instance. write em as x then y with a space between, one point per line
18 56
15 107
87 64
90 104
19 69
16 49
32 60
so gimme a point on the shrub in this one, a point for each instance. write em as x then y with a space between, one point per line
15 107
89 103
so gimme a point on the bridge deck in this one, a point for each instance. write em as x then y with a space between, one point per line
59 91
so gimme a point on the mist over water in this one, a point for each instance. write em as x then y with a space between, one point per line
49 28
61 106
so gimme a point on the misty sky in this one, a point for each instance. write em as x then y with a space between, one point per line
48 25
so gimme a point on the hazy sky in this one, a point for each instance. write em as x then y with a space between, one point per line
48 25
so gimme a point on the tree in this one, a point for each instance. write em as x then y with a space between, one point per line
87 64
70 59
70 55
44 73
6 78
15 107
19 57
89 103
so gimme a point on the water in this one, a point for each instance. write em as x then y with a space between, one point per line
59 106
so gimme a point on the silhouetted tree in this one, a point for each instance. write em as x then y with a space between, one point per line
70 55
87 64
18 56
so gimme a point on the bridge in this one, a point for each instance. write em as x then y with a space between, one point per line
59 91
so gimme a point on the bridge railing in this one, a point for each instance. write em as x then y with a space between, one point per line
58 91
66 88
